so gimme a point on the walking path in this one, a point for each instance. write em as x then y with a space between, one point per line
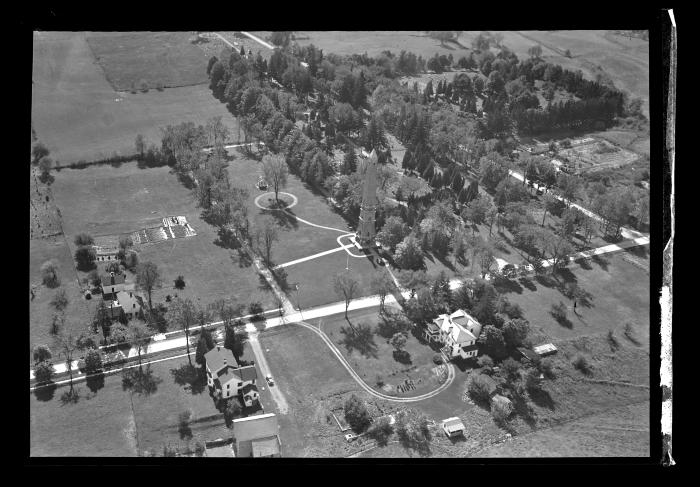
258 40
314 256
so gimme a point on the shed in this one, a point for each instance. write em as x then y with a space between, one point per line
528 354
453 427
545 349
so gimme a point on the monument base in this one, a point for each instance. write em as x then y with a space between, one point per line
363 246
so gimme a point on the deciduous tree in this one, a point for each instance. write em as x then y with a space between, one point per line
183 315
346 287
148 278
275 171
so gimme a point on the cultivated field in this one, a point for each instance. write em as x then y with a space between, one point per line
165 59
114 200
374 42
79 116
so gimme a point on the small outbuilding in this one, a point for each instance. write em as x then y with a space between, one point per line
453 427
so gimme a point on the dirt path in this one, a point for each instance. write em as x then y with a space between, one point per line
282 406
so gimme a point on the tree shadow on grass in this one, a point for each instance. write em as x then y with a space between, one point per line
190 377
562 320
140 381
95 382
446 262
263 285
243 259
566 275
504 286
227 240
584 263
542 398
524 410
360 339
546 280
285 219
601 261
639 251
527 283
45 393
71 396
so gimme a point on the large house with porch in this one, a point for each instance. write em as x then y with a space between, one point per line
226 378
119 297
457 332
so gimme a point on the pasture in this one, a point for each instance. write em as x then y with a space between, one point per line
158 59
374 42
107 200
79 116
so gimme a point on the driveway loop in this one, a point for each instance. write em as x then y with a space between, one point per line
295 200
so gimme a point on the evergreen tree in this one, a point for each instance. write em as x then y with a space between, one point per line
349 161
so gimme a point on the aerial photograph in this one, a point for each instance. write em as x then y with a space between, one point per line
340 244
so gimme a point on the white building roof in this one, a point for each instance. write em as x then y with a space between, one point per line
459 326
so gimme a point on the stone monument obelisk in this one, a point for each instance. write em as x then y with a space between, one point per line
365 230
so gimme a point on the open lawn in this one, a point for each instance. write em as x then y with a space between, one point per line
166 59
79 311
298 239
373 358
79 116
617 292
144 197
374 42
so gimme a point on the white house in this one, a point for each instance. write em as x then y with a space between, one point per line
457 332
226 378
453 427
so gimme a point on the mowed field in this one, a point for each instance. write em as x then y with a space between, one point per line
374 42
79 311
111 200
79 116
168 58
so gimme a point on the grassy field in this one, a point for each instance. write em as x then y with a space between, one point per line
373 359
374 42
79 311
144 197
167 59
622 431
79 116
617 293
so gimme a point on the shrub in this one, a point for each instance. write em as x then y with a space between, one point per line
85 258
356 414
43 371
86 341
559 311
479 388
84 239
41 353
511 369
49 273
546 367
94 279
255 309
113 267
581 363
381 430
485 362
500 411
131 260
180 282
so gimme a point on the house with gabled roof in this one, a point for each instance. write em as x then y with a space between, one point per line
458 333
257 436
227 378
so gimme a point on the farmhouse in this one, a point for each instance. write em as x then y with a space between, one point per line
113 283
226 378
105 254
257 436
119 297
457 332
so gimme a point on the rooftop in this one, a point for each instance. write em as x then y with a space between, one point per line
107 279
217 358
258 427
266 447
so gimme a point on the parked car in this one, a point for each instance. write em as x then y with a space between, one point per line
270 380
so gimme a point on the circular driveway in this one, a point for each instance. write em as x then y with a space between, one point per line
295 200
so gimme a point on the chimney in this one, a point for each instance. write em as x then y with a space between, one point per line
111 276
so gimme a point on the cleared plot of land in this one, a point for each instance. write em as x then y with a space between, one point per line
110 200
79 311
166 59
79 116
374 42
622 431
